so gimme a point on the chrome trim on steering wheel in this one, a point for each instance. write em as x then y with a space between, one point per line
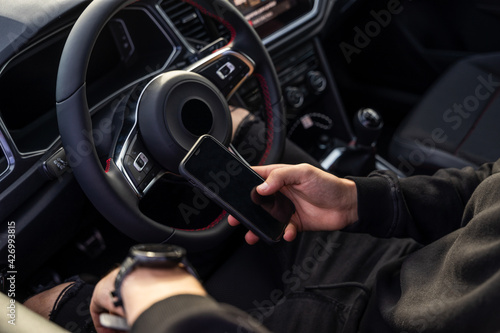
130 129
204 63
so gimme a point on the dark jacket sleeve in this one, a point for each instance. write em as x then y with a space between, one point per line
424 208
192 313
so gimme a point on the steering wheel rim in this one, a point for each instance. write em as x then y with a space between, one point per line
108 188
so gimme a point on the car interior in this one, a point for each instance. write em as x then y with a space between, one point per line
90 151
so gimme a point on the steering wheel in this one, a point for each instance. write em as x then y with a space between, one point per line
166 120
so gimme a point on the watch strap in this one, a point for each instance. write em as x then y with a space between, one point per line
128 264
131 262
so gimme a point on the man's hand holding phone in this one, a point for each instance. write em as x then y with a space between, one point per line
322 201
231 182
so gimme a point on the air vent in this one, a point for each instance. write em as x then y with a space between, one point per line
195 27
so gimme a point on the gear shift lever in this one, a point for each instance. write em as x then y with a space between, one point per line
367 126
359 160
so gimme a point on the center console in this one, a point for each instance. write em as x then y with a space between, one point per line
316 119
301 77
315 113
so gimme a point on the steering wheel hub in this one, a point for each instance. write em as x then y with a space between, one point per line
175 109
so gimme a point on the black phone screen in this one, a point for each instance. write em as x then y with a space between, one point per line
231 183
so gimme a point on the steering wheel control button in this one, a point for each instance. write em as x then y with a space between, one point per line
225 70
136 163
56 165
135 175
140 162
226 73
151 175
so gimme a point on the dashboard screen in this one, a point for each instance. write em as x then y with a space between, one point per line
268 16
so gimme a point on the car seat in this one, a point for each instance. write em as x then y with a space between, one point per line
456 124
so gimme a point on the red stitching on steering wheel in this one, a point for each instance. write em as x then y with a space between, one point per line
211 225
108 165
269 117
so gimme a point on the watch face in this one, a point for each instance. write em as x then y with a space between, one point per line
160 251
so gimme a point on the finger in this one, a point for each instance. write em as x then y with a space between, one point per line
265 170
102 301
233 222
251 238
95 319
290 233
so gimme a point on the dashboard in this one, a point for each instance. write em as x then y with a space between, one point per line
148 37
121 57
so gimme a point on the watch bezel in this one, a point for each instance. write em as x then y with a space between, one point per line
158 252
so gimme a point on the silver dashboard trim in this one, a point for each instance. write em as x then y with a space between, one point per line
2 70
9 156
293 25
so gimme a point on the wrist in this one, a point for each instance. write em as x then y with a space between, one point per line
350 201
151 273
145 286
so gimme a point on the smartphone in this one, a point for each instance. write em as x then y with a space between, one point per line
231 183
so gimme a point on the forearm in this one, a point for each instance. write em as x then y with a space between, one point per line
192 313
146 286
171 300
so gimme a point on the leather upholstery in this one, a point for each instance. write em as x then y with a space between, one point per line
457 123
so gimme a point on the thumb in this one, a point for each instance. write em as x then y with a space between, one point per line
264 189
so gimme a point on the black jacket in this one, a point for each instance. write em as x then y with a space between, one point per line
450 285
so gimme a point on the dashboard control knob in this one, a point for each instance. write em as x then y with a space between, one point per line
316 82
294 97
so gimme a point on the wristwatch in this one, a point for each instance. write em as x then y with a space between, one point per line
150 255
